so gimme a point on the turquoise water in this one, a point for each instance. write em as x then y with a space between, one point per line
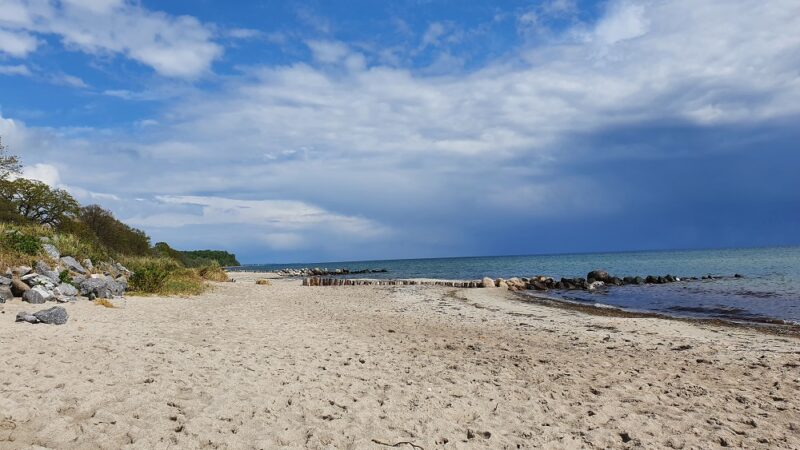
769 290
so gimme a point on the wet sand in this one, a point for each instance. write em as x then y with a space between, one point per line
248 366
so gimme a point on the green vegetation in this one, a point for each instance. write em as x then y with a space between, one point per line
200 258
31 210
197 258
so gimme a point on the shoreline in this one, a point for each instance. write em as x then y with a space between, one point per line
283 365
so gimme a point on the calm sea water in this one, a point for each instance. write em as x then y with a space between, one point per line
769 290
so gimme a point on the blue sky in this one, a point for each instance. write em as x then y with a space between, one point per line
311 131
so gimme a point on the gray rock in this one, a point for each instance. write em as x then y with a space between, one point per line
35 279
487 282
101 287
23 316
598 275
41 267
5 294
87 263
73 264
23 270
65 289
5 281
595 284
52 316
37 295
51 251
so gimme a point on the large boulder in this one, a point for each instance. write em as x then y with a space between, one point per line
35 279
100 287
72 264
52 316
5 294
51 251
487 282
597 275
65 293
37 295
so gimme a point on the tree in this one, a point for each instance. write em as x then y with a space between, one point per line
38 202
112 233
8 163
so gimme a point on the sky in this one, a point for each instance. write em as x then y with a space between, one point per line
304 131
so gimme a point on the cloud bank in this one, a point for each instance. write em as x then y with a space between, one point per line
644 126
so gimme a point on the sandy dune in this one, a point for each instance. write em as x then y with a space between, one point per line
286 366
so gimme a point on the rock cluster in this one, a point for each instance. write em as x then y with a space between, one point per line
63 279
317 272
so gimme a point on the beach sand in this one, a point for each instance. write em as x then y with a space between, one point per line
286 366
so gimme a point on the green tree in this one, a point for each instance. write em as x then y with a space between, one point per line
115 235
37 201
8 163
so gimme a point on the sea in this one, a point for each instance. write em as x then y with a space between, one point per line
768 291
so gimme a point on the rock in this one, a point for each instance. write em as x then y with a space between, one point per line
5 281
23 316
595 284
670 279
52 316
501 283
487 282
87 263
615 281
100 287
66 290
41 267
73 265
538 285
18 287
21 271
35 279
598 275
5 294
738 275
51 251
37 295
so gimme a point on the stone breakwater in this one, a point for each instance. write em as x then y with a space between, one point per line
318 272
321 281
594 280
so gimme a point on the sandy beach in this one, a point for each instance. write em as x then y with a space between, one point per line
286 366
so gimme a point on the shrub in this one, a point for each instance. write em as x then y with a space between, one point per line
183 282
149 278
118 237
212 272
20 242
65 277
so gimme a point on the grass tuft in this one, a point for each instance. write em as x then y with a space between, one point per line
104 302
263 282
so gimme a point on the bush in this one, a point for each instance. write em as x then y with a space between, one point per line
163 276
116 236
20 242
212 272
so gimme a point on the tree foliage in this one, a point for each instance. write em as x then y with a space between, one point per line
115 235
8 163
37 201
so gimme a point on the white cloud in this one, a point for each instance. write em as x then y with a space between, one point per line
624 21
18 69
45 173
16 44
328 52
173 46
